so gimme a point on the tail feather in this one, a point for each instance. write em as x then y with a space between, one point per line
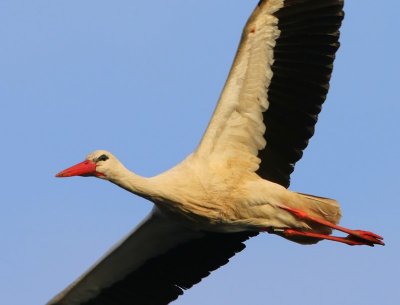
325 208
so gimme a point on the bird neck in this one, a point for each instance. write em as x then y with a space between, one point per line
134 183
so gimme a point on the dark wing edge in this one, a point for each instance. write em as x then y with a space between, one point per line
303 63
153 265
164 278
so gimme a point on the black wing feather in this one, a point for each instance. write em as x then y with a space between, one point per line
162 279
304 54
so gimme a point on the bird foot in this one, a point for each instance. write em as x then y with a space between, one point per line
366 236
355 237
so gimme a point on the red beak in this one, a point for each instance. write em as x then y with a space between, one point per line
85 168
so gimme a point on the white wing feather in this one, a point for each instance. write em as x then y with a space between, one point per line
236 129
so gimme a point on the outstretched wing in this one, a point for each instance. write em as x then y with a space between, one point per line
279 80
153 265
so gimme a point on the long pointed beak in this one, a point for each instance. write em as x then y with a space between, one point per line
85 168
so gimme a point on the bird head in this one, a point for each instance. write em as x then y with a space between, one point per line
100 164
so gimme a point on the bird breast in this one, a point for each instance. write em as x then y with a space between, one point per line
206 198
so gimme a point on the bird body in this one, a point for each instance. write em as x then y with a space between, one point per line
235 184
218 198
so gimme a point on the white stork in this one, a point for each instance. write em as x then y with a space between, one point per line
234 185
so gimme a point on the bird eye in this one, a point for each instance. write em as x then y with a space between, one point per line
102 158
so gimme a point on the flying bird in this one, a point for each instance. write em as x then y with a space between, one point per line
235 184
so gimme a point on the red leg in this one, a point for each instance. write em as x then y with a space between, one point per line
293 233
358 236
351 242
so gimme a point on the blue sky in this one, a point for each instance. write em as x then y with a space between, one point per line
141 79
